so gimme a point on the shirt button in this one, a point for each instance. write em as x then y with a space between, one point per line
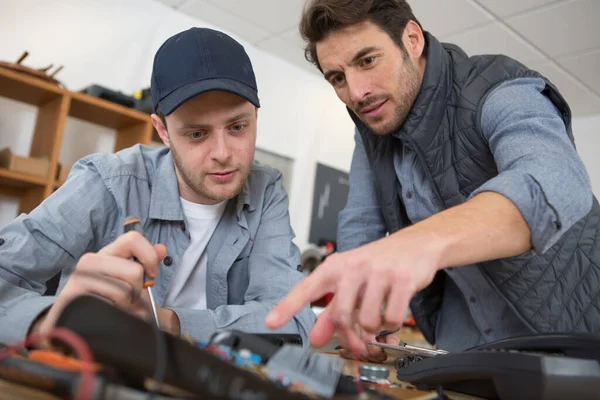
182 226
1 241
168 261
472 299
487 331
409 195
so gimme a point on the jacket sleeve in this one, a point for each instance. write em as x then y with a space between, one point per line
539 169
360 222
47 241
272 266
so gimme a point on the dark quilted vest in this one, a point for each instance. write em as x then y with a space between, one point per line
558 291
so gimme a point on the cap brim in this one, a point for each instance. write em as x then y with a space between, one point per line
186 92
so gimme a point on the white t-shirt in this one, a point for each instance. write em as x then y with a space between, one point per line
188 284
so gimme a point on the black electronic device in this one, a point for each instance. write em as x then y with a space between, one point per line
243 341
129 345
281 339
143 101
110 95
543 367
264 345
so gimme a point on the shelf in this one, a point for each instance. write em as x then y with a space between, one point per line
27 89
54 105
104 112
19 180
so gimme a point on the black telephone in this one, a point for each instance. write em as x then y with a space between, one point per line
542 366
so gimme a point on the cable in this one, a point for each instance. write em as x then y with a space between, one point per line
160 359
440 394
76 343
159 337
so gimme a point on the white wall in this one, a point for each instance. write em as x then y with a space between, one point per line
587 139
112 43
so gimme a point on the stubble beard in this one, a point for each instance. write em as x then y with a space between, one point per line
195 181
411 87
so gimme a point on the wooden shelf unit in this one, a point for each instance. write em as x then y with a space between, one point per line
55 105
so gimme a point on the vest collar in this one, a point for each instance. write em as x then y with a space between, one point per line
428 110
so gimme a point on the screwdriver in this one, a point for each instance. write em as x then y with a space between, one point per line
134 224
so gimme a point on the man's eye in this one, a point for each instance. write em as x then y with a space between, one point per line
368 60
238 127
336 80
197 135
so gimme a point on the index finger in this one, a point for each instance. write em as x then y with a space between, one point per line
312 288
132 244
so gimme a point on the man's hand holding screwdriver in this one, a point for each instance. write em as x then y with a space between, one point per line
112 274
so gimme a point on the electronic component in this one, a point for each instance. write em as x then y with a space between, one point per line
239 340
126 343
374 373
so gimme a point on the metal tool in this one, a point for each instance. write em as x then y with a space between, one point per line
406 348
379 335
134 224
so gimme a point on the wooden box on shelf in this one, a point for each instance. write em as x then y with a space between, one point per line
55 105
37 166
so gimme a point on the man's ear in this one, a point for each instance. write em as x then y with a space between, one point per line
414 40
160 129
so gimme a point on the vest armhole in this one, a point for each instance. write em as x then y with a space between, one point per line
549 91
482 101
561 105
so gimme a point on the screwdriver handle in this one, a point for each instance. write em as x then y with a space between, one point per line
134 224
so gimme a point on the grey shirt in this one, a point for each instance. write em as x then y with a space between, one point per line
252 261
539 171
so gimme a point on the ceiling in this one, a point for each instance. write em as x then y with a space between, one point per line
558 38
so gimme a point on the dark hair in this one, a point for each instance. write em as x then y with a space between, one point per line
321 17
161 116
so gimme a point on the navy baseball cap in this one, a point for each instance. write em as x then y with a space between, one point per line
200 60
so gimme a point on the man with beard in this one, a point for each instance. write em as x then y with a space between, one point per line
217 237
468 201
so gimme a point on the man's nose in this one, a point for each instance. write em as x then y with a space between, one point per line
221 150
359 87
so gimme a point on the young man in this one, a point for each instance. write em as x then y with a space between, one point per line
217 232
465 162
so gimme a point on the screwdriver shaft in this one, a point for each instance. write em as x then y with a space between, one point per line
153 306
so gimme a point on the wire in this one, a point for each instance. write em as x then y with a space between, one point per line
159 337
76 343
160 359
